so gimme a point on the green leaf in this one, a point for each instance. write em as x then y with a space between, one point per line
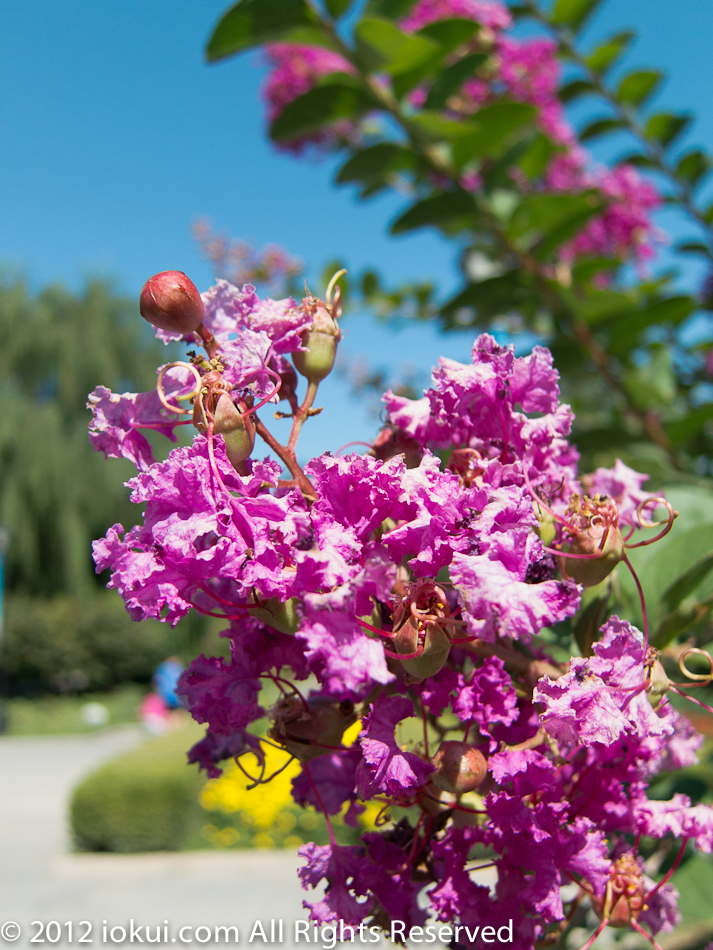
451 79
665 127
379 164
495 127
393 9
600 127
550 220
693 247
254 22
628 327
653 383
387 49
585 269
435 126
536 156
576 89
337 8
693 166
638 160
610 51
450 33
685 584
340 98
447 210
690 425
573 13
479 303
639 86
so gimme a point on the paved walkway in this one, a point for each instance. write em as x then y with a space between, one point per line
41 880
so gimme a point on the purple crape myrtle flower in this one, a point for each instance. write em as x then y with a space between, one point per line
414 588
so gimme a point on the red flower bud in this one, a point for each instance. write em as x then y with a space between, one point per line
171 302
459 767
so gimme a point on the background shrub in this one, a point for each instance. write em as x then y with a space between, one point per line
146 800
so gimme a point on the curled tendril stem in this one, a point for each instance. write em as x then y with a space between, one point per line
162 396
639 929
255 781
266 399
592 940
536 498
702 679
667 876
332 839
692 699
668 524
348 444
641 598
331 285
405 656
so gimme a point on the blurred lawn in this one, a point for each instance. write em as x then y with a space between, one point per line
62 715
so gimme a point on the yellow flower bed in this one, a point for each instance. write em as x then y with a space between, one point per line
267 816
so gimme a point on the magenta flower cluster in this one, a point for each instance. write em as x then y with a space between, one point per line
408 587
525 71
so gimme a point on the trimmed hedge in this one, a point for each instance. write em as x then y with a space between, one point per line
146 800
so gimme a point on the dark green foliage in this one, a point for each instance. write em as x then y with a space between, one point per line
339 97
252 22
65 644
146 800
573 13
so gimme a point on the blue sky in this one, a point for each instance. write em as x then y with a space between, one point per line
116 135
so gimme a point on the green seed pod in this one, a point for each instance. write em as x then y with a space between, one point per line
436 647
321 340
591 571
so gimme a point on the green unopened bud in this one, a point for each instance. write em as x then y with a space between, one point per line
278 614
592 570
321 341
235 426
460 768
436 647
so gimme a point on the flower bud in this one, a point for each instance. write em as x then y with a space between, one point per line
624 898
171 302
459 767
659 684
436 647
311 729
604 557
236 428
321 340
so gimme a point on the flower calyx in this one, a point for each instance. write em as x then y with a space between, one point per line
421 617
312 727
213 406
595 545
320 339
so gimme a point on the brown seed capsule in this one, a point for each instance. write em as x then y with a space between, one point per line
171 302
459 767
310 730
